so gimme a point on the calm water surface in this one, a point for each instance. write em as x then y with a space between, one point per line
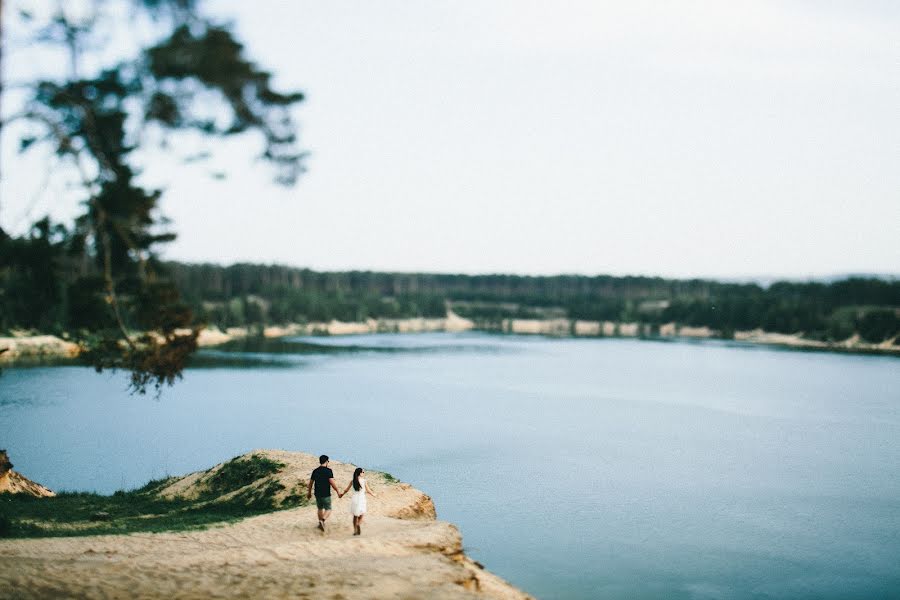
574 468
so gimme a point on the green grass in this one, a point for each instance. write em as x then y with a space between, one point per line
240 472
141 510
388 478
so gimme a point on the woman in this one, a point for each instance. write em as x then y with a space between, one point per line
358 500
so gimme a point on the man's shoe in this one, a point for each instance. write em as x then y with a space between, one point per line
321 525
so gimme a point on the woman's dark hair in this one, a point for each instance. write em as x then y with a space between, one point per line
356 473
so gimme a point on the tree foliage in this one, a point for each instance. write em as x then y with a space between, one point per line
246 294
101 274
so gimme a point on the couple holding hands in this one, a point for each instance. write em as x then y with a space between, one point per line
323 480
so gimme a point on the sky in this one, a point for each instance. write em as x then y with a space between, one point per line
683 139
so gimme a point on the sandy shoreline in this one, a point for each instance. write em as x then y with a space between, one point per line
26 348
404 552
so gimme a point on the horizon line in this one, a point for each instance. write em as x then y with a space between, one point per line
760 279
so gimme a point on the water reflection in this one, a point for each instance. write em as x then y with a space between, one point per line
289 352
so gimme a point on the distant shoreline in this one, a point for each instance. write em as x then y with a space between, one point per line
36 348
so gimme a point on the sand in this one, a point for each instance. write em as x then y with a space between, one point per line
452 322
36 347
14 483
404 552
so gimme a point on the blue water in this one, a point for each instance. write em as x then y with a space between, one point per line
574 468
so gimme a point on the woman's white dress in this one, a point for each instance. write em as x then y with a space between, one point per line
358 499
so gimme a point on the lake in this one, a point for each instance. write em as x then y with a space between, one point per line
575 468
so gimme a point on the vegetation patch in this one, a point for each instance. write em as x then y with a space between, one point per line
153 486
240 472
260 498
297 497
143 510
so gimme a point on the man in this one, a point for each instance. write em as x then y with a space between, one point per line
323 478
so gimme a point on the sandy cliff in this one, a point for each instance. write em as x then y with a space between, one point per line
13 349
404 552
15 483
36 347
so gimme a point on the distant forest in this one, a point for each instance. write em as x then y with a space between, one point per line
246 294
63 296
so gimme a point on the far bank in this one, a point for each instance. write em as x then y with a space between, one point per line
25 347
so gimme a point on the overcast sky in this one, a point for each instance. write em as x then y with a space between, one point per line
722 139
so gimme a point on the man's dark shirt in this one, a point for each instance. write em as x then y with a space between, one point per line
321 476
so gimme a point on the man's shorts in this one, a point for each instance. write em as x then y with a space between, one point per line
323 503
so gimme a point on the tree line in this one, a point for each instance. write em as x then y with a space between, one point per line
278 294
47 285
